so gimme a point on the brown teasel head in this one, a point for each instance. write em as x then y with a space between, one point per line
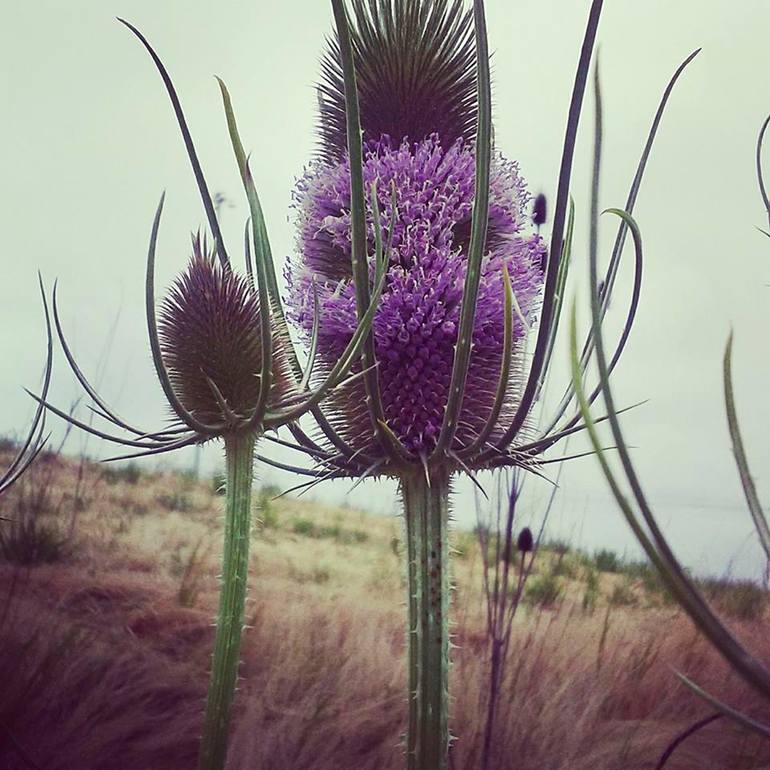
209 331
525 542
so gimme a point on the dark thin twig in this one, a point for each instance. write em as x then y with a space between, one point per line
683 736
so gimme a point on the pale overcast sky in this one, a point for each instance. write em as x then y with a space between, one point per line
88 142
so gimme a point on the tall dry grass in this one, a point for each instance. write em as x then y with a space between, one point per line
101 667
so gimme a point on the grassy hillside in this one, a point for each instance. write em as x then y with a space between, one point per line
108 587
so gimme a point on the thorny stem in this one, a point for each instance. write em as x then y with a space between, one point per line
239 457
426 508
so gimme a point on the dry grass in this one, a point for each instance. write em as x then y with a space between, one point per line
103 667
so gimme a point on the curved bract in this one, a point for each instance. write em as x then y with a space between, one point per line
35 440
635 504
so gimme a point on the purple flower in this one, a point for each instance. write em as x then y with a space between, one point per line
415 327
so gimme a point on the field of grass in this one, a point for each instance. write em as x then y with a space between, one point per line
108 585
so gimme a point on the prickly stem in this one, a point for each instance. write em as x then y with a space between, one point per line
239 457
426 510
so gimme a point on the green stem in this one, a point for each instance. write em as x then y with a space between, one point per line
427 512
239 456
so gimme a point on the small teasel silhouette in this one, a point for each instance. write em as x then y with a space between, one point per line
406 130
34 441
634 503
225 363
525 542
539 211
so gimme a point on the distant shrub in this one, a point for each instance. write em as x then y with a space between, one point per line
35 531
544 590
607 561
303 527
178 500
650 578
330 531
128 474
559 547
353 536
591 593
623 594
318 575
308 528
33 540
567 566
742 599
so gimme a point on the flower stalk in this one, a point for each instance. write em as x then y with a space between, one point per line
239 458
463 277
426 509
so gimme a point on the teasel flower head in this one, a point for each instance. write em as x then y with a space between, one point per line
220 361
464 332
466 272
427 190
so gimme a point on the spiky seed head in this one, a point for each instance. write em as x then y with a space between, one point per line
415 74
525 541
209 332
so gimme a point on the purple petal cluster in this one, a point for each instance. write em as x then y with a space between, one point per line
415 327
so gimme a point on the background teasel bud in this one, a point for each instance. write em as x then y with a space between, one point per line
525 541
209 328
